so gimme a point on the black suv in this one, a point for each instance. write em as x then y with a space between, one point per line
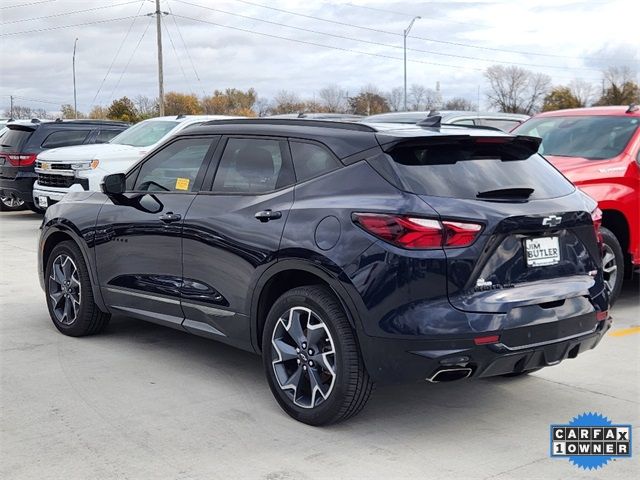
344 254
22 141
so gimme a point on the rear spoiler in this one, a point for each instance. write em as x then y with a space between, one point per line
509 147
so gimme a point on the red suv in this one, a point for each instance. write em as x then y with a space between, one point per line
598 149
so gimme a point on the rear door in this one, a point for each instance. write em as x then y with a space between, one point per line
138 243
232 233
537 230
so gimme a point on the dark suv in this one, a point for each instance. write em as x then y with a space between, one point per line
344 254
22 141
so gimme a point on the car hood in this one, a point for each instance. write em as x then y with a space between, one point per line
90 152
579 169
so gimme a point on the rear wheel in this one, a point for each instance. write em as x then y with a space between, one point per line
69 293
612 263
10 203
311 358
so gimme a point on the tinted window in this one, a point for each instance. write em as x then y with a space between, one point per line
594 138
105 135
252 166
502 124
462 171
174 168
465 121
311 160
64 138
13 139
145 133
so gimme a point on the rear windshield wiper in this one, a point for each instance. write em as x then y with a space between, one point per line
511 192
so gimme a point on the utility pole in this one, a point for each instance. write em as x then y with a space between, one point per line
75 98
160 71
405 33
10 106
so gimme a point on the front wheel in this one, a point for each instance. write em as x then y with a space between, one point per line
612 264
69 293
311 358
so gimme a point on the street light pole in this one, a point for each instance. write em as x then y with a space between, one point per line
75 98
405 33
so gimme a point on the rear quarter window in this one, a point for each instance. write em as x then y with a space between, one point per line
65 138
463 171
14 139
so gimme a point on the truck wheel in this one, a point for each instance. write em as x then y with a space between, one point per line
10 203
311 358
612 263
70 294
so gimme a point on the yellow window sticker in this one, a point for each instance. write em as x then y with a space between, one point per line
182 184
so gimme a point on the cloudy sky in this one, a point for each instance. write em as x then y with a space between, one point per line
300 46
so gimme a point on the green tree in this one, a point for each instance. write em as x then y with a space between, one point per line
559 98
181 104
123 109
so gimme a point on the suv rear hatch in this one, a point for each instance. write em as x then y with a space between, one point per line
537 249
11 144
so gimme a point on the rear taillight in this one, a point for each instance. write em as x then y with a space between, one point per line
418 233
21 160
596 216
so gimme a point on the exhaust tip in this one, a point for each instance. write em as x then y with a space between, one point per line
450 375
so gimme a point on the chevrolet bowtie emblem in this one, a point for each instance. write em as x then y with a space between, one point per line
551 221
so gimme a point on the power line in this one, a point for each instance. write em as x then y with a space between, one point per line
457 44
184 44
29 99
175 51
69 26
130 58
67 13
26 4
305 42
370 42
118 52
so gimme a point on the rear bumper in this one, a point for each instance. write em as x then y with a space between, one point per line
395 361
18 181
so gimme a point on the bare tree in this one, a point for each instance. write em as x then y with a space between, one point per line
147 107
459 103
516 90
333 98
583 91
287 102
417 94
262 107
26 113
395 98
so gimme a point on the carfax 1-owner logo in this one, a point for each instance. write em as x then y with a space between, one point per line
590 440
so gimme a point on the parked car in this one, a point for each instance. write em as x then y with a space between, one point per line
502 121
458 253
24 140
82 168
598 149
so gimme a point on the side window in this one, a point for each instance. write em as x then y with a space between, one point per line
252 165
504 125
105 135
310 160
174 168
64 138
464 121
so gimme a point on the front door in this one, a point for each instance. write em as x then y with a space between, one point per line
232 234
138 235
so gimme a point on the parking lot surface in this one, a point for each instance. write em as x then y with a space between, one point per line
142 401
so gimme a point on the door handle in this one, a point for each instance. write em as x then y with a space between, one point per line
170 217
266 215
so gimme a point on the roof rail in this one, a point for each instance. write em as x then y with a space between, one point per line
632 108
298 122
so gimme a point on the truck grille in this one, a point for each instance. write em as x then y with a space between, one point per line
52 180
55 165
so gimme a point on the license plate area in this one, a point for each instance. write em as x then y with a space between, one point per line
43 202
542 251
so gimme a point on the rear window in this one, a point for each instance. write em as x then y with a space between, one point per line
464 170
13 139
594 138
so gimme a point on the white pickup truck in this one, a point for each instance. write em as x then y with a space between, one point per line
82 168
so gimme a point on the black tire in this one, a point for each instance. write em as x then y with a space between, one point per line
520 374
351 386
612 263
88 319
10 203
35 208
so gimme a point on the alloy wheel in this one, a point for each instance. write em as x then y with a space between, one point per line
303 357
64 289
609 267
11 201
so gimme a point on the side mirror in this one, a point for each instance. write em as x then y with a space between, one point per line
114 184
